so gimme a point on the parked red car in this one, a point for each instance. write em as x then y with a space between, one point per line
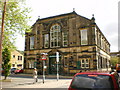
18 71
95 81
118 67
2 71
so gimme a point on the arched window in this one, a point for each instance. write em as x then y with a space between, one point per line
55 35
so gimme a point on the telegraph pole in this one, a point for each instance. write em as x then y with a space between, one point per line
1 36
2 32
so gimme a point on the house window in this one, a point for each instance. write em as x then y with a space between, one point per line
30 64
32 42
55 36
13 65
65 39
13 56
46 41
19 65
65 62
19 57
84 39
85 63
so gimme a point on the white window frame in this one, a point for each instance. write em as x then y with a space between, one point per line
32 42
65 35
84 36
46 40
85 63
55 35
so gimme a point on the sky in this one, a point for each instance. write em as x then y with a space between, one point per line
105 13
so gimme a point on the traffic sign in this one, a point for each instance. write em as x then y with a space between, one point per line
44 57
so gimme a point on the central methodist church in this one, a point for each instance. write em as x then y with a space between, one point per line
78 40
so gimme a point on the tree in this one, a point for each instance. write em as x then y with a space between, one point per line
6 55
16 21
114 61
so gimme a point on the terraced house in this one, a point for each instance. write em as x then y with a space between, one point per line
78 40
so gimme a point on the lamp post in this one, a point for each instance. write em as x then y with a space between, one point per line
43 71
57 60
43 59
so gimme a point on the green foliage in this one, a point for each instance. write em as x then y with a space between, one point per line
16 21
6 55
114 61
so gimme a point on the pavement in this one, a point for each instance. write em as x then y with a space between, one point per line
47 84
25 81
40 76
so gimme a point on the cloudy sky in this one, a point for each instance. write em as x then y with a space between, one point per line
105 12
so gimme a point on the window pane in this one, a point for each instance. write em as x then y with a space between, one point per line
87 65
83 65
86 61
55 36
46 40
32 42
65 43
82 61
84 40
65 39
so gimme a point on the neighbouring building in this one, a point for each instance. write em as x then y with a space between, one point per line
78 40
17 59
115 54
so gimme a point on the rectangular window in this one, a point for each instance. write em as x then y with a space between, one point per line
19 57
84 39
65 61
85 63
46 41
13 56
32 42
65 39
19 65
13 65
31 64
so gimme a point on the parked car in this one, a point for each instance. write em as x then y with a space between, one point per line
13 70
2 71
18 71
118 67
95 81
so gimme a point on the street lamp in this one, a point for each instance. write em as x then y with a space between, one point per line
43 59
57 60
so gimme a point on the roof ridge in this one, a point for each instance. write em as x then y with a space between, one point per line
58 15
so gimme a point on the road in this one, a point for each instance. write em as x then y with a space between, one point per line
20 82
26 82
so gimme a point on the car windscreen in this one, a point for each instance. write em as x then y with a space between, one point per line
92 81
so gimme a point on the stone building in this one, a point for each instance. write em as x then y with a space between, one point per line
78 40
